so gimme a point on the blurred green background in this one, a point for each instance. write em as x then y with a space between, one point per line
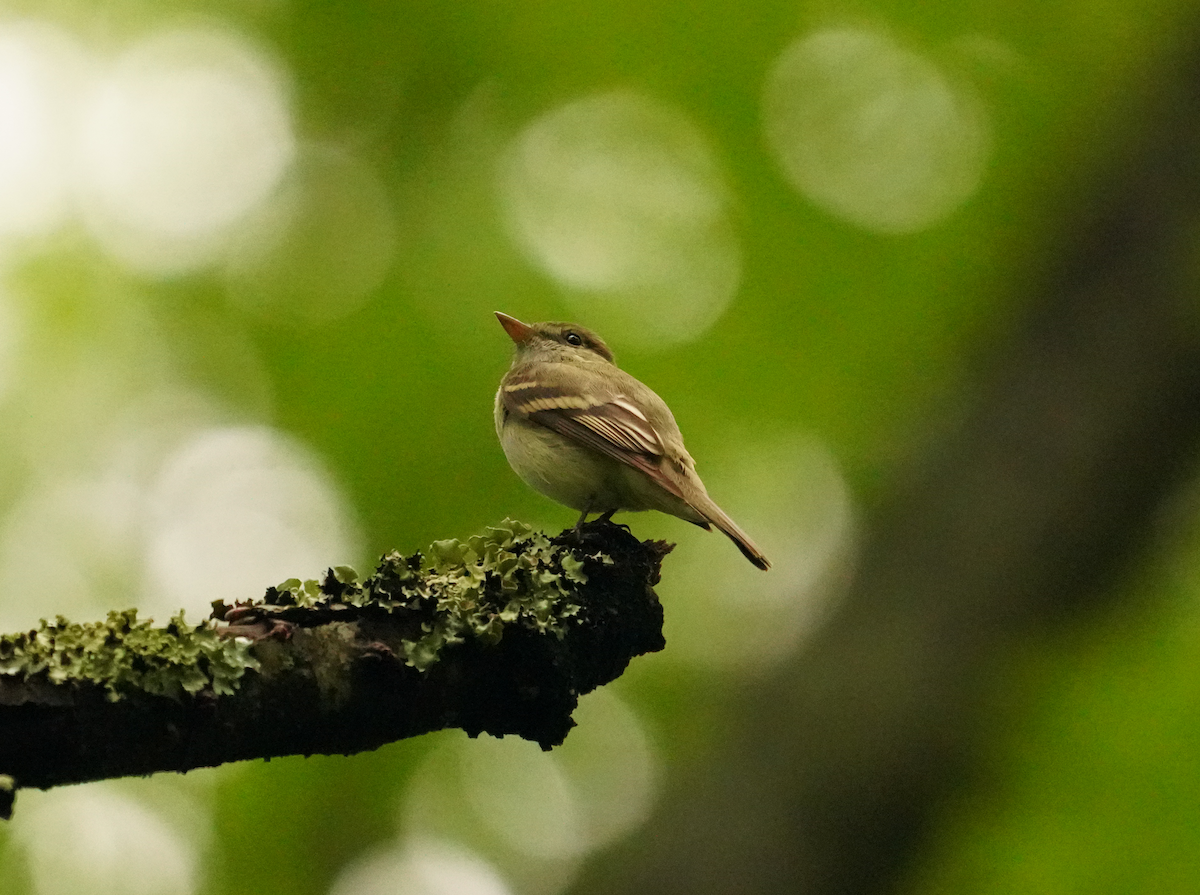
249 255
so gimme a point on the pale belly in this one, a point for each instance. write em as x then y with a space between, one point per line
569 473
579 477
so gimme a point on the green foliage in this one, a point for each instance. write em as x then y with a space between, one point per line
126 653
855 337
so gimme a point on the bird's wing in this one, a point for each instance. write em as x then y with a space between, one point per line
580 407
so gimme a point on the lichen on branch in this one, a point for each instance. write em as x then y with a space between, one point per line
500 633
125 653
460 590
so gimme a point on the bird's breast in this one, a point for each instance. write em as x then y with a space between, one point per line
557 467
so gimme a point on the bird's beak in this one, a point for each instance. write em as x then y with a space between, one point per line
517 331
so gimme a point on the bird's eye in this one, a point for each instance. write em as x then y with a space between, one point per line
574 339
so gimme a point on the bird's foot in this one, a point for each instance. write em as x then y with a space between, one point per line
583 529
607 518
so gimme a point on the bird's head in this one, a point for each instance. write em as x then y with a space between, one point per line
555 341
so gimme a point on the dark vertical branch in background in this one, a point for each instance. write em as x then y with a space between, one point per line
1046 489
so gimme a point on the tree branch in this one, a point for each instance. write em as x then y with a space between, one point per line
499 635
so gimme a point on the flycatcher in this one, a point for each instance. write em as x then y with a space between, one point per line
585 433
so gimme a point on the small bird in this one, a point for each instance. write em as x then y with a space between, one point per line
585 433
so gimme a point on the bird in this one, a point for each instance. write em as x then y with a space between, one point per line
583 432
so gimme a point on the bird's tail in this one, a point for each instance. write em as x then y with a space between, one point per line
718 517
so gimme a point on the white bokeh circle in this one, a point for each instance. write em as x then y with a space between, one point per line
619 199
189 131
788 493
420 866
43 70
235 510
95 839
872 131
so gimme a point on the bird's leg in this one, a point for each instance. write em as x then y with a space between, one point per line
607 517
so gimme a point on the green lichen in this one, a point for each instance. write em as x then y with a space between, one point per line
459 590
126 653
509 575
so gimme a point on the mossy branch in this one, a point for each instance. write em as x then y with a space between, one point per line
500 635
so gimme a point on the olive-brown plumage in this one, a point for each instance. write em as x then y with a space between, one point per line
585 433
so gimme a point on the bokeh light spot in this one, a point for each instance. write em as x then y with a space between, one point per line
189 132
236 510
420 867
42 71
535 814
611 766
789 494
873 132
93 839
79 539
320 247
167 511
523 796
619 199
